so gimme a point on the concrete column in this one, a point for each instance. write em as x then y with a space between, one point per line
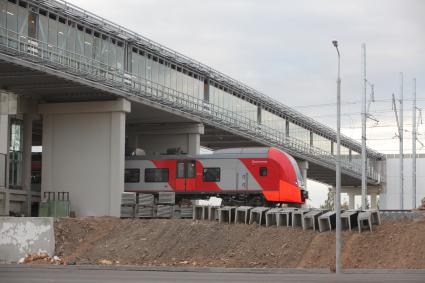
8 106
351 200
26 160
4 138
83 154
373 201
158 139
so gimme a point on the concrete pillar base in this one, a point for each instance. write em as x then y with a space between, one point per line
83 154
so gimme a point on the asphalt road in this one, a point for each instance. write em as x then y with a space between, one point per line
75 274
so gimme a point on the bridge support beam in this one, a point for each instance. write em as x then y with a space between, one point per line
160 138
83 154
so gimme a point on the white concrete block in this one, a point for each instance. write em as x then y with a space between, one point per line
25 235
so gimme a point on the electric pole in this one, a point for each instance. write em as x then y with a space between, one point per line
364 117
414 137
338 167
401 144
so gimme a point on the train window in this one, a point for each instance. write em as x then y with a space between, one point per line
154 175
263 171
132 176
211 175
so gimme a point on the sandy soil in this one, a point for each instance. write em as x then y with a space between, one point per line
107 240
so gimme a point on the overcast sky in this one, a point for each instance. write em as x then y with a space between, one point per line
283 49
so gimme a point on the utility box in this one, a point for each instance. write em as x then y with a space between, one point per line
62 206
53 206
43 209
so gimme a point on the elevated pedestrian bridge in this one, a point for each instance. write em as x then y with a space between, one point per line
53 51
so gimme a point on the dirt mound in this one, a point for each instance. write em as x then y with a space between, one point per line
394 244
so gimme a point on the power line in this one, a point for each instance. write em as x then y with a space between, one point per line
348 103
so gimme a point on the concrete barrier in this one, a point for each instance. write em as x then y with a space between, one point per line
25 235
242 214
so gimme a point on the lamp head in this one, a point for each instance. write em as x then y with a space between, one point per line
335 43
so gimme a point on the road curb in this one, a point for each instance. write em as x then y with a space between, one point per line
171 269
210 269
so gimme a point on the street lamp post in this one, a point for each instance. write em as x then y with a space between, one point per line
338 167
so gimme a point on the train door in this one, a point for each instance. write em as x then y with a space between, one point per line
242 178
185 175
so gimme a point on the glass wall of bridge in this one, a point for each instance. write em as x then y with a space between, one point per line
61 35
299 133
322 143
227 101
273 121
158 71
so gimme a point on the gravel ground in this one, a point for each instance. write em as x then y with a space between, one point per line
113 241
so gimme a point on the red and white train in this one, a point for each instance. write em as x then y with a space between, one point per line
252 175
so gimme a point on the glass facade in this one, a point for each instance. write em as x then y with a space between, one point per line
224 99
322 142
15 154
273 121
163 73
299 133
345 153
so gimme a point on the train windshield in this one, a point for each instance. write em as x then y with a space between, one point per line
297 171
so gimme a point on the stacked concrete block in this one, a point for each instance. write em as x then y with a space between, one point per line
186 211
164 211
146 200
242 214
145 205
271 216
311 219
128 199
145 211
127 211
258 215
128 202
166 198
165 207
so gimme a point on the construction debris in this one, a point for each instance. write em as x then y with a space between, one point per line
41 258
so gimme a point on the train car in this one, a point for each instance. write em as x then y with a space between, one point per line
251 175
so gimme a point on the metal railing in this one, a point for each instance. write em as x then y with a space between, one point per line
35 51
